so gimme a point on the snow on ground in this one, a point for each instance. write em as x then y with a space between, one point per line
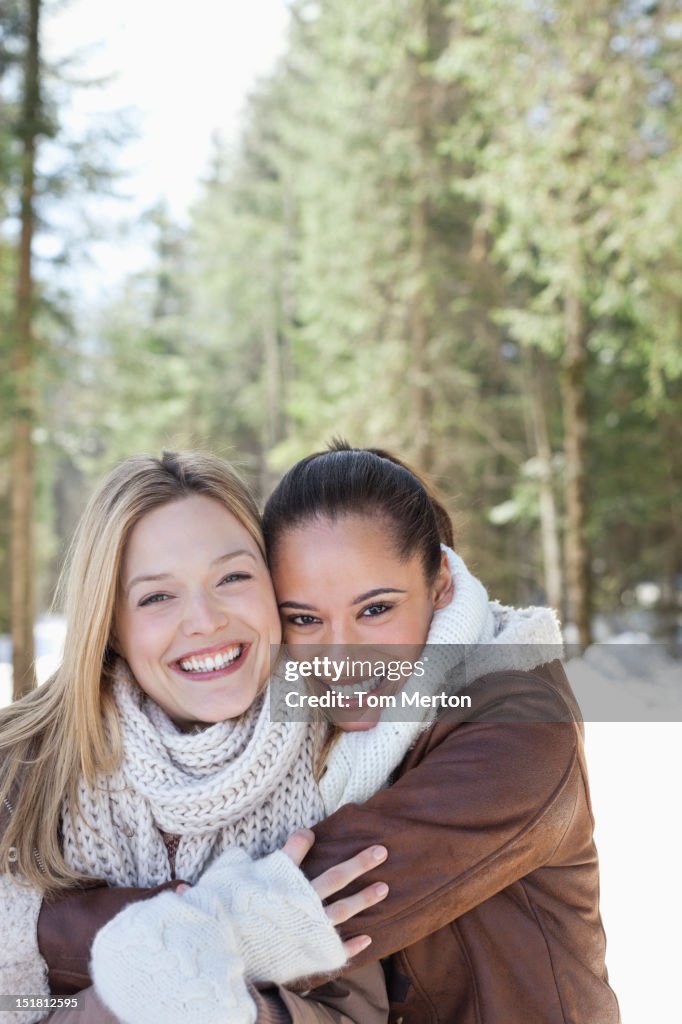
635 768
48 637
631 695
630 692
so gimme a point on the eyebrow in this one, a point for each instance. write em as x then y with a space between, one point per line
357 600
155 577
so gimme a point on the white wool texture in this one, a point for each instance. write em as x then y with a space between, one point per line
472 632
236 906
151 967
246 783
22 969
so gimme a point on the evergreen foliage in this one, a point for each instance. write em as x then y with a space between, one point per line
448 229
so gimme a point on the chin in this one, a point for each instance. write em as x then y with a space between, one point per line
358 726
211 716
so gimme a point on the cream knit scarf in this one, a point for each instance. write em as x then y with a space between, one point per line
472 634
246 783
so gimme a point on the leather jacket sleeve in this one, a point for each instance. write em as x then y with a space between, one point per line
478 806
358 998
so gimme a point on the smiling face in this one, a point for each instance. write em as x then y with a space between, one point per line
196 612
341 582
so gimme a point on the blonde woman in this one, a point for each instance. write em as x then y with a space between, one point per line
150 756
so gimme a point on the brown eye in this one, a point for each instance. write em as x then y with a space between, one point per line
372 610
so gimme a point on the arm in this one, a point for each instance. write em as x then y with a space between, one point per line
479 805
243 921
357 998
82 913
91 1010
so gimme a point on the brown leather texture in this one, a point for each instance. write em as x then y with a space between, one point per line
493 910
359 997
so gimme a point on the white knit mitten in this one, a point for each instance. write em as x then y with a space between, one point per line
283 932
186 957
171 959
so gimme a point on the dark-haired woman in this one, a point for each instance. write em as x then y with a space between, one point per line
493 912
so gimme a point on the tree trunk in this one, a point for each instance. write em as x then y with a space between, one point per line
574 384
549 520
23 471
419 311
272 432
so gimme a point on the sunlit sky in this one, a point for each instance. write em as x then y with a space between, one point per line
184 69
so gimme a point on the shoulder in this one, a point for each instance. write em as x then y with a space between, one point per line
22 968
518 721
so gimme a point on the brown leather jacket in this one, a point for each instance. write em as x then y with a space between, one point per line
493 914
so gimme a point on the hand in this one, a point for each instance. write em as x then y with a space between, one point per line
337 878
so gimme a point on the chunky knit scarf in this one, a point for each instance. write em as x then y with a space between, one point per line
472 634
246 783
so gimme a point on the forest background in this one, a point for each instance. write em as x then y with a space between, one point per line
450 229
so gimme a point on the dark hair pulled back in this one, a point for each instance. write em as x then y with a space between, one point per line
371 482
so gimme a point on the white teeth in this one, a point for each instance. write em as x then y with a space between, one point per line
211 663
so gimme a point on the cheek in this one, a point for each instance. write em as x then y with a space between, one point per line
140 639
413 626
265 615
274 627
123 635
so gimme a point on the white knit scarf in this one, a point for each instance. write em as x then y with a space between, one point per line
249 783
246 783
472 632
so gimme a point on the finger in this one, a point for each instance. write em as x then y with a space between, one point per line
183 887
298 844
342 910
347 871
356 945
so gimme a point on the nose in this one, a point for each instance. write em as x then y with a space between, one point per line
323 635
204 614
335 636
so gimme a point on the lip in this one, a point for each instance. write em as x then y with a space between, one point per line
234 666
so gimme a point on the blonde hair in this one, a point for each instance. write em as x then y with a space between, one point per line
69 726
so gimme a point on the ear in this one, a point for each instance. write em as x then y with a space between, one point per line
444 585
